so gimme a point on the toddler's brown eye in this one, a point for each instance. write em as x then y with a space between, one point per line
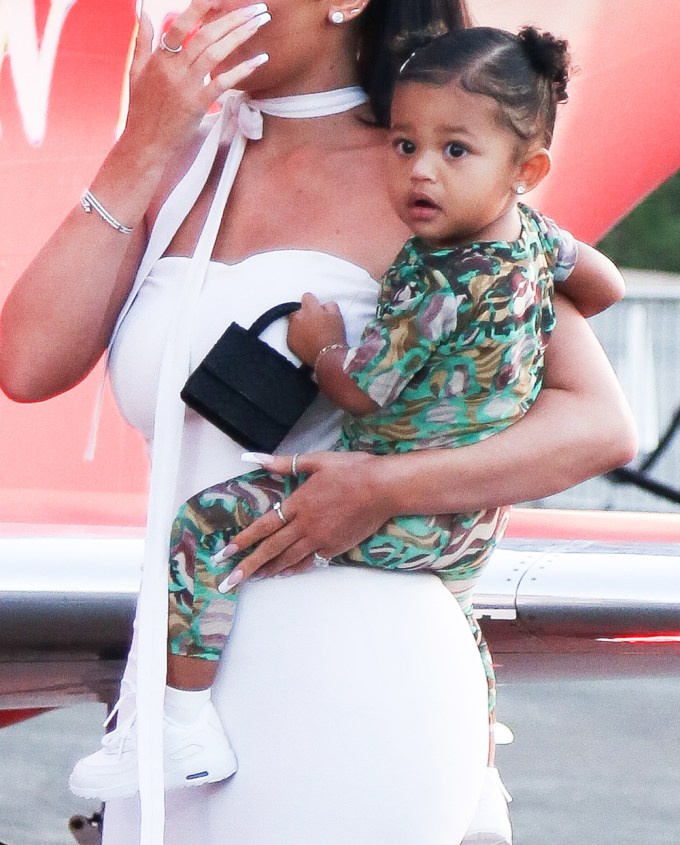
454 151
404 147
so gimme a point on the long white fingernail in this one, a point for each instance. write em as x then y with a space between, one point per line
225 553
256 458
229 583
257 22
259 60
255 9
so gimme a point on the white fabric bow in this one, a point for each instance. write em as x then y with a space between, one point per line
244 117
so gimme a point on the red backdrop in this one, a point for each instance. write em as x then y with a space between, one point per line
617 139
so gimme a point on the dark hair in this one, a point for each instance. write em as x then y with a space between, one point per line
526 74
386 32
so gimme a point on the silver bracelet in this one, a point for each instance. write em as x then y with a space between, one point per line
89 201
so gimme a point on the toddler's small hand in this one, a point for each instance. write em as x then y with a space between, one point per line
313 327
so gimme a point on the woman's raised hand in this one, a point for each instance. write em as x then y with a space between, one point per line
337 507
173 86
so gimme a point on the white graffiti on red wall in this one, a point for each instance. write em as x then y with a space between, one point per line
31 59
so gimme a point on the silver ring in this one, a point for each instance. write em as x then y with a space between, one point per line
279 513
293 465
320 562
164 46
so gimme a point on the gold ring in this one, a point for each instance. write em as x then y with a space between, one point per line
279 513
164 46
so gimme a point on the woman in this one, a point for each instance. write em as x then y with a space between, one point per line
378 736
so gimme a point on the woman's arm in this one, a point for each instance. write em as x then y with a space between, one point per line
580 426
594 284
58 318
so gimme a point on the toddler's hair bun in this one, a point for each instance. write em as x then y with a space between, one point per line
549 56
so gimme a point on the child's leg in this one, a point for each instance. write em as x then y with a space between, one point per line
464 599
474 538
200 616
197 750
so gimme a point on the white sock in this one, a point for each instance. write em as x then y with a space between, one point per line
184 705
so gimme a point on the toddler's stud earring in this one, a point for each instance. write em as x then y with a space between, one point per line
337 17
520 189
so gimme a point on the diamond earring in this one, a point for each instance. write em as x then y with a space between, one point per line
336 17
520 189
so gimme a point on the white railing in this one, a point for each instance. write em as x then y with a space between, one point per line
641 335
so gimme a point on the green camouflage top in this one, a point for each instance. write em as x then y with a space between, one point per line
455 351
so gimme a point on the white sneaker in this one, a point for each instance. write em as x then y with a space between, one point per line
491 822
195 754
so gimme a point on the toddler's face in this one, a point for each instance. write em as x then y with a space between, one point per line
453 167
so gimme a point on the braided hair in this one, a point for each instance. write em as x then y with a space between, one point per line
527 73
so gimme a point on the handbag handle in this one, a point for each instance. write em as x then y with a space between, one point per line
273 314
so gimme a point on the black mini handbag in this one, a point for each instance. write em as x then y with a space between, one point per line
249 390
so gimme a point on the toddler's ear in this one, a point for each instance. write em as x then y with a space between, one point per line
534 168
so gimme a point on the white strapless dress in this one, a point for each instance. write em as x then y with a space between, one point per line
355 699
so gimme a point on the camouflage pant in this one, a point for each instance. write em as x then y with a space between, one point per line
454 547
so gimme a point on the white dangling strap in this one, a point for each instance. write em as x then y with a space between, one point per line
166 452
